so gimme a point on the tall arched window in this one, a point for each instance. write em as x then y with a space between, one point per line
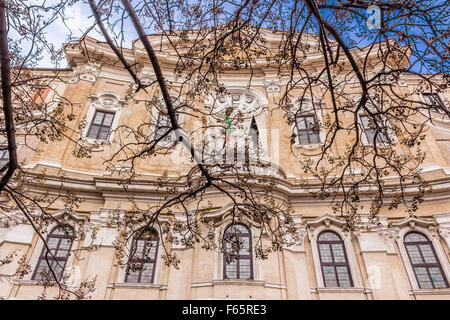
144 250
424 261
333 260
237 242
59 242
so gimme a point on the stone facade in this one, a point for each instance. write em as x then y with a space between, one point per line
377 258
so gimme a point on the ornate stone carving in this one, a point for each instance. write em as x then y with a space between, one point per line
88 72
246 103
272 86
146 78
390 236
107 100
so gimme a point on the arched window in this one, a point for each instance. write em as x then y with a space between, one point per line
423 259
144 250
333 260
237 242
59 242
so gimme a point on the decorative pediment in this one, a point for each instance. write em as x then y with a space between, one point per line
412 222
88 72
107 100
326 220
247 102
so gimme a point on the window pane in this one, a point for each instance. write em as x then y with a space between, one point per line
414 254
98 118
427 253
108 119
244 268
423 278
329 236
93 131
437 277
415 237
330 276
104 132
231 269
244 245
325 253
301 123
343 276
303 137
338 252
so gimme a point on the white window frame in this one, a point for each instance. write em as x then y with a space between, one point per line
390 132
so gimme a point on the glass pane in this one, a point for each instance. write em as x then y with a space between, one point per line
329 236
301 123
108 119
237 228
315 138
104 132
338 252
428 253
93 132
414 254
147 272
98 118
437 277
344 277
330 276
415 237
244 245
423 278
303 137
133 276
231 269
325 252
244 268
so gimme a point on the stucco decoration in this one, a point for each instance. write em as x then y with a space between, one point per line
107 100
146 78
88 72
247 102
272 86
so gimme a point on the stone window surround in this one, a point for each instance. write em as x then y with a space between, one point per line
308 109
97 103
154 122
40 245
120 280
220 227
437 246
325 223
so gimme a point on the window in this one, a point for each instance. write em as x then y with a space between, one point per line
307 129
426 266
434 100
59 242
101 125
370 129
4 157
237 244
141 265
163 125
333 260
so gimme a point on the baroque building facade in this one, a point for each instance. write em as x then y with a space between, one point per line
400 257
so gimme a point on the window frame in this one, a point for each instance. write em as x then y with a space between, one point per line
309 131
333 264
237 257
4 152
380 139
424 264
101 125
42 259
143 260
